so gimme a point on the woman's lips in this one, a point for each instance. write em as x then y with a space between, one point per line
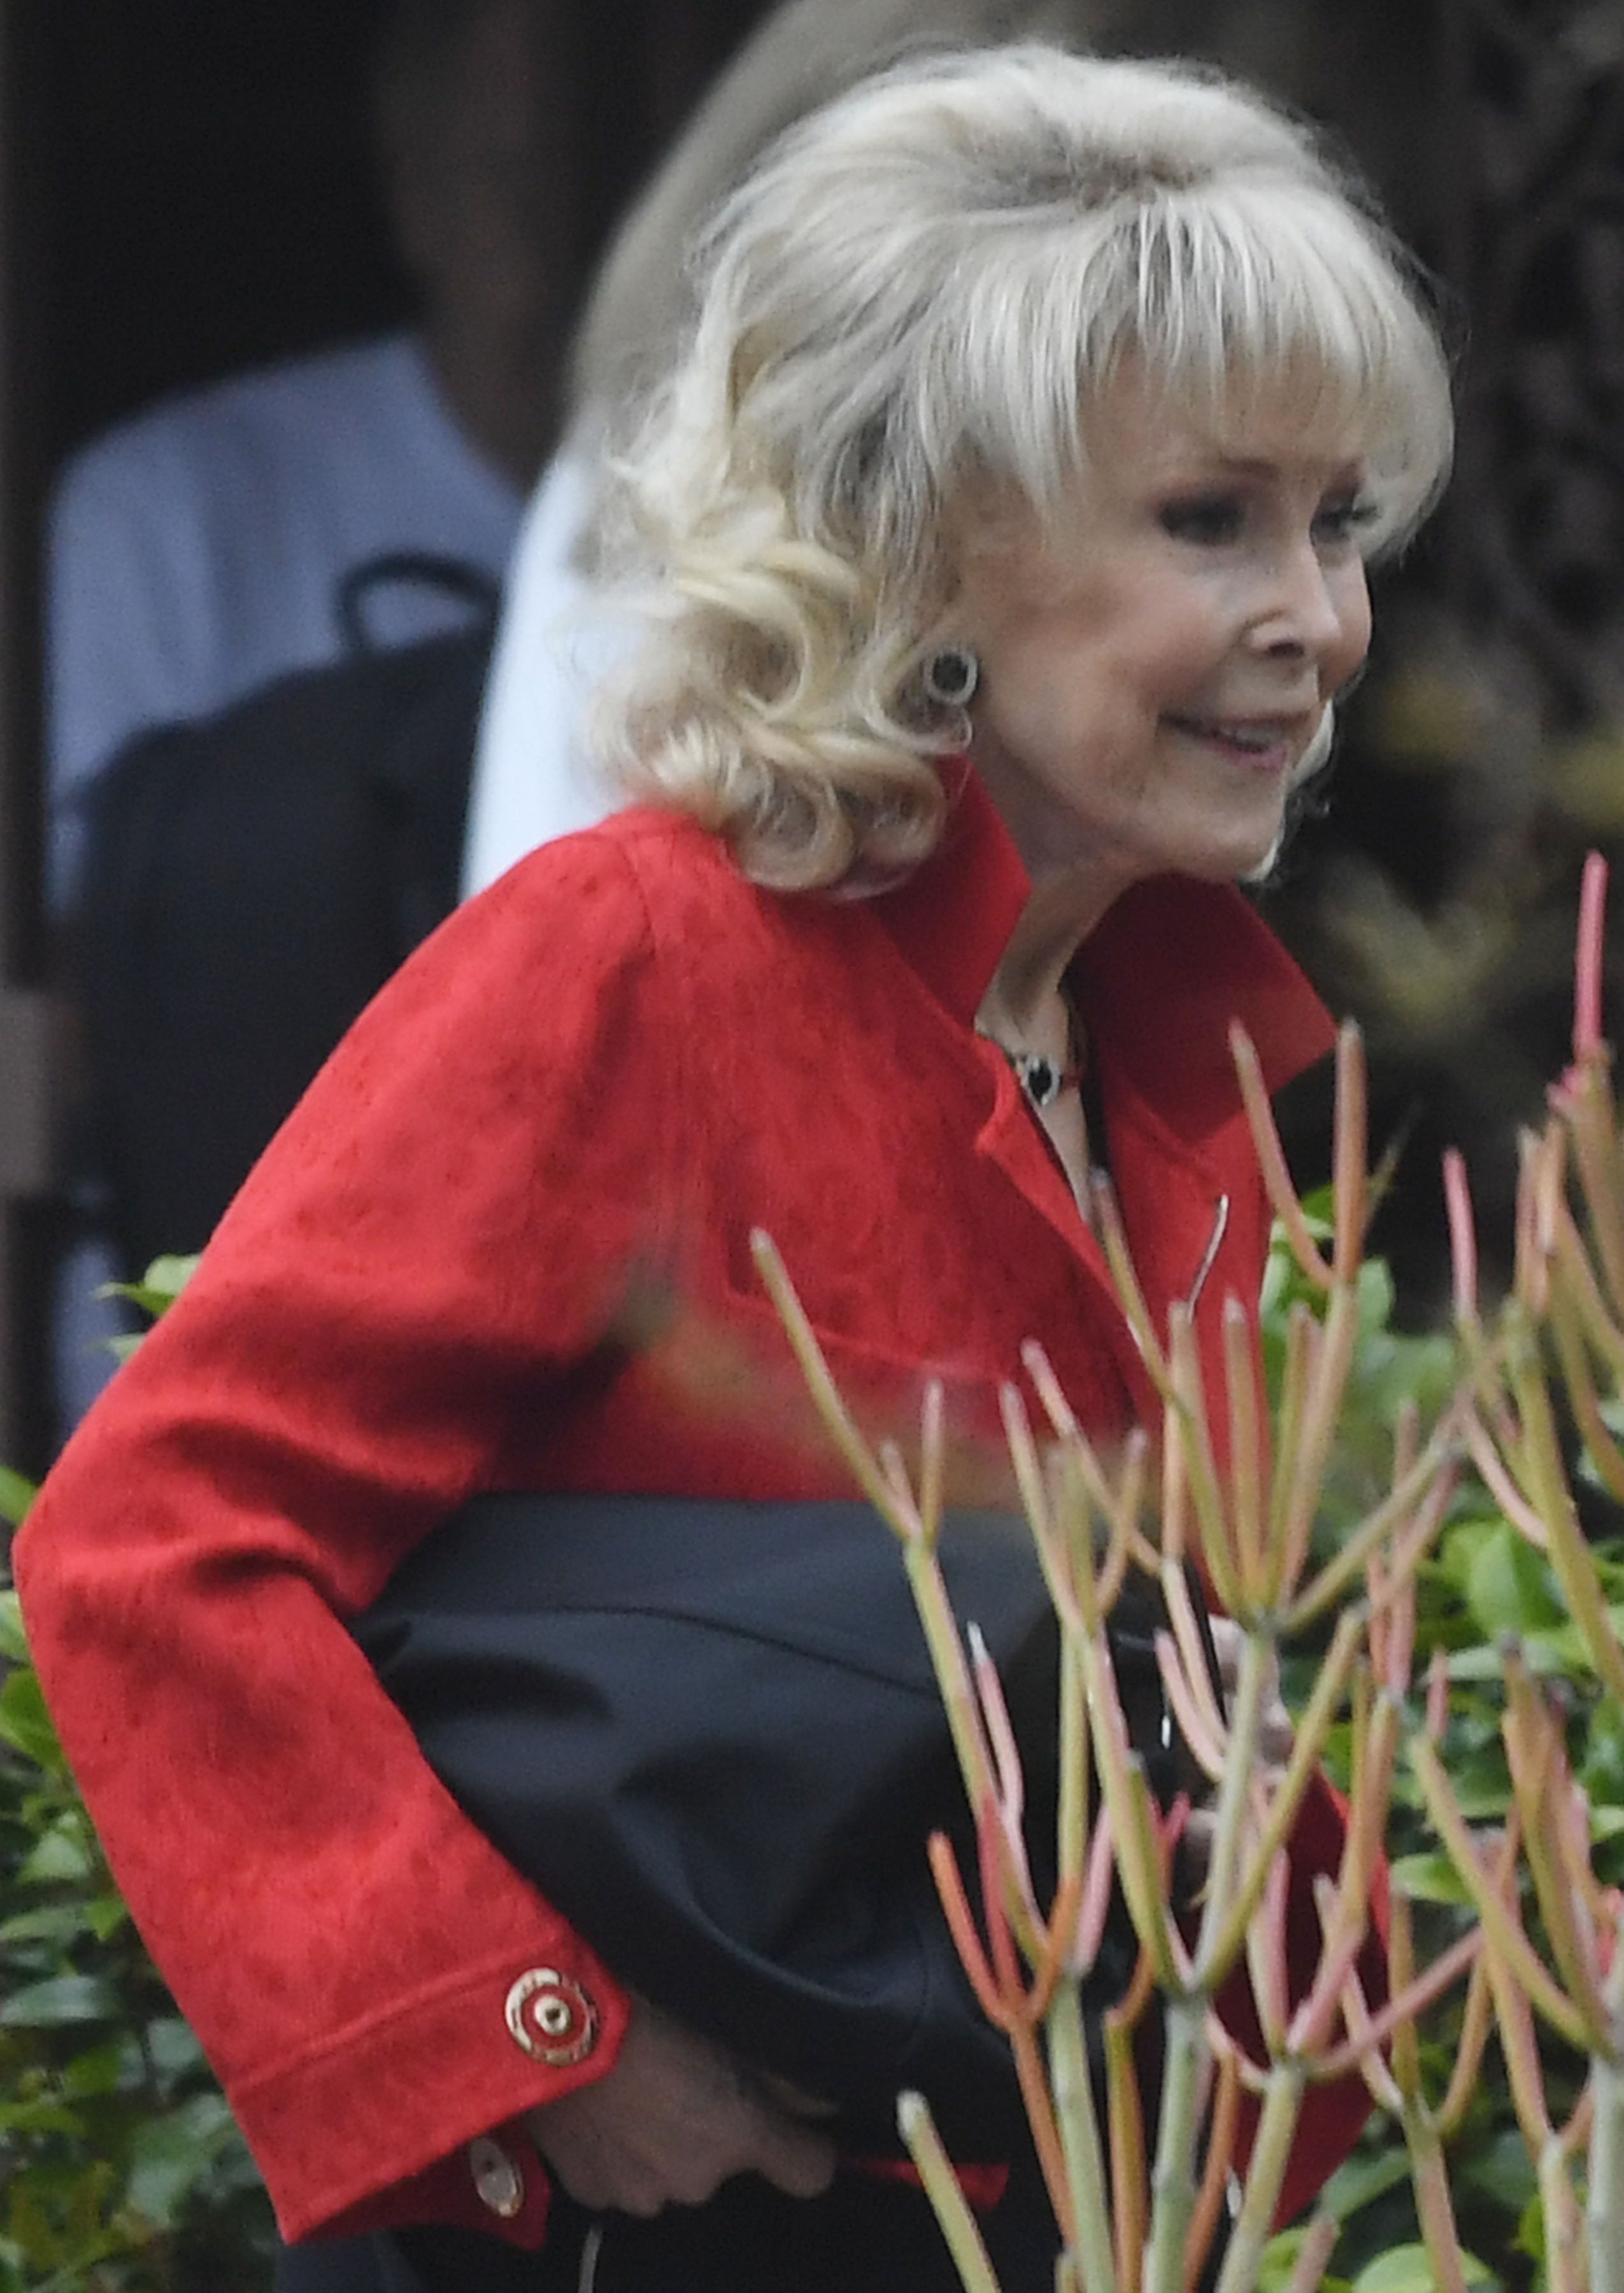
1268 744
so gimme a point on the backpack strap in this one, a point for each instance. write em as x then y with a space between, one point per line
423 569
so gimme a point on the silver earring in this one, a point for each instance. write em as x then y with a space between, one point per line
951 675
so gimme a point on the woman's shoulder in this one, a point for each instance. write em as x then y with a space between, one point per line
648 861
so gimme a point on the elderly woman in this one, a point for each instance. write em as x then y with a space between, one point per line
1002 530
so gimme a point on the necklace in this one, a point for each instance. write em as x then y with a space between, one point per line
1039 1078
1044 1078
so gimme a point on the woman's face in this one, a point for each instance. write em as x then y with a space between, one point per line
1149 687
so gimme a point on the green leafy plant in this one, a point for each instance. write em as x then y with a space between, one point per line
1460 1644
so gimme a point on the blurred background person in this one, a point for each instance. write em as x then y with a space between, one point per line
196 551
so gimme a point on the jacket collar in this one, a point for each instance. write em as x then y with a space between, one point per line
1161 976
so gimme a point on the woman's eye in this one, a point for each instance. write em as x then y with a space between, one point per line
1209 520
1342 522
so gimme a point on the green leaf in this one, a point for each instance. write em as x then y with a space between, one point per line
25 1724
1361 2180
105 1914
1374 1292
13 1639
1531 2230
1509 1589
170 2154
1482 1784
65 1923
100 2070
155 1292
62 1924
48 2115
62 1857
1501 2170
1279 2258
1428 1879
62 2000
1406 2269
174 2047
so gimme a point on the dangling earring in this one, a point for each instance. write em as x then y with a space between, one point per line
951 675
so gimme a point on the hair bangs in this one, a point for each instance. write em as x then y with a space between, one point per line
1259 306
1263 305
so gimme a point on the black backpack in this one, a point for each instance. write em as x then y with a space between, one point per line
251 880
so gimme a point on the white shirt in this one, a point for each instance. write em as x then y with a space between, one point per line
195 550
533 779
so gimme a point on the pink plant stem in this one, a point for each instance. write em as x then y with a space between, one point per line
1422 1493
1501 1487
1187 1426
961 1925
1586 1105
1604 1452
1286 1798
1248 1450
1216 2169
1193 1650
1304 1465
1402 2007
1113 1241
1541 1780
1129 2175
1349 1156
1545 1476
1435 2210
1313 2258
1476 2021
1266 1956
1588 962
1577 1284
1463 1238
1524 1971
1272 1157
1205 1746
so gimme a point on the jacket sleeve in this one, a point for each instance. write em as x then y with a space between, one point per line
435 1236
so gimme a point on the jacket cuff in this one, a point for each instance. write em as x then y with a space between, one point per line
391 2123
496 2184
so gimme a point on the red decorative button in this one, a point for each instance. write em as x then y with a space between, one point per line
552 2018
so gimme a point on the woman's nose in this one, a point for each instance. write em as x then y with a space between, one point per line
1302 612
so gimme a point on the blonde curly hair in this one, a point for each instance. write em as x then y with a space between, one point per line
908 314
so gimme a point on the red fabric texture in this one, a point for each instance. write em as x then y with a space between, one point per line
453 1270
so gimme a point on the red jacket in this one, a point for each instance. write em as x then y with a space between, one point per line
595 1079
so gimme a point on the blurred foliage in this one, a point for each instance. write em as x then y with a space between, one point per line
121 2169
1482 1586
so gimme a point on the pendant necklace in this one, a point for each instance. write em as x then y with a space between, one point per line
1040 1080
1044 1080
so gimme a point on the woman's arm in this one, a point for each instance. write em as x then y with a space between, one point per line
431 1242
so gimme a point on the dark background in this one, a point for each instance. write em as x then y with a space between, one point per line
198 185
